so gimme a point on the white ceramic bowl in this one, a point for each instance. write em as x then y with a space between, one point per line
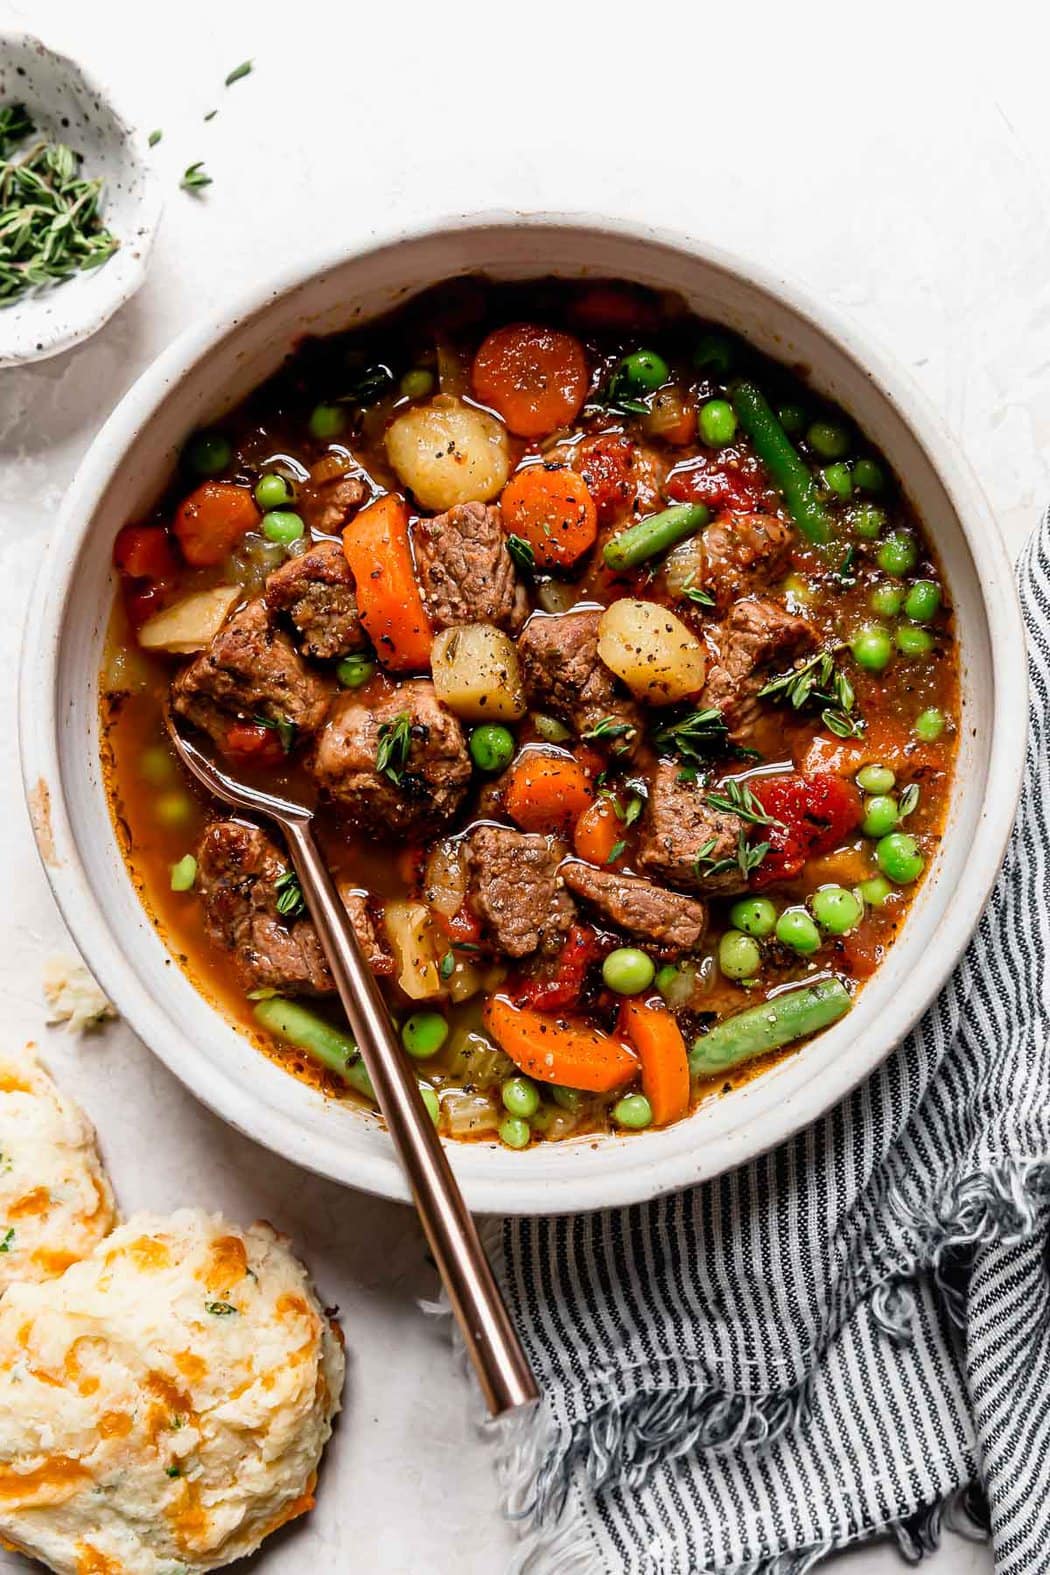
68 105
211 368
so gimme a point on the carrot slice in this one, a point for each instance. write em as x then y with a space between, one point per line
376 546
553 511
536 378
547 792
555 1050
665 1061
212 520
598 833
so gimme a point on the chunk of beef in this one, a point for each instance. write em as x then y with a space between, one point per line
683 835
757 638
466 572
743 553
334 491
238 870
637 906
425 777
375 952
515 890
250 670
564 675
316 590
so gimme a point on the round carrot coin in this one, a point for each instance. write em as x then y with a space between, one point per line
535 378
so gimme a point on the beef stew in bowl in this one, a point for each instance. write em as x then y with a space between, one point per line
620 670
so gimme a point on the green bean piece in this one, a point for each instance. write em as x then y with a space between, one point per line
655 534
776 1022
330 1047
788 472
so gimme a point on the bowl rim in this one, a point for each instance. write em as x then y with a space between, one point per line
778 1120
137 250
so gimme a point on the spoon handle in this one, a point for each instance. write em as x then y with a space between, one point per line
490 1338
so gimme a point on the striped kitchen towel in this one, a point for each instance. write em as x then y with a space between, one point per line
841 1339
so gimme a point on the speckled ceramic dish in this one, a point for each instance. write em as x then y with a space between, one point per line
213 367
67 104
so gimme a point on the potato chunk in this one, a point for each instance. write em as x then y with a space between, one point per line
417 947
446 452
658 658
476 673
190 624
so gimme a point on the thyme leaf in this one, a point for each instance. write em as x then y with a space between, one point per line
736 798
50 224
693 736
522 554
238 72
195 177
393 743
289 893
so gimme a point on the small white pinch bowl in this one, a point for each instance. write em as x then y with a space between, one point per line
68 105
214 366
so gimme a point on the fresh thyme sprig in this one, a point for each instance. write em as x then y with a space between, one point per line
747 857
608 730
694 736
737 799
290 901
280 725
522 554
394 740
819 681
50 225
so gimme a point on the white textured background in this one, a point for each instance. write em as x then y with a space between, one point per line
894 158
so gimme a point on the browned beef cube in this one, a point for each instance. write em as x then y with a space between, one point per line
651 913
397 767
683 835
565 676
743 553
515 890
466 573
334 491
759 637
238 870
356 903
316 590
250 671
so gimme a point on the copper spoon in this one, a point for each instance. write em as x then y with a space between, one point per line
491 1340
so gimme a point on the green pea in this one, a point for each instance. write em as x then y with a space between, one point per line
666 977
354 671
880 815
929 725
417 383
174 809
208 453
887 599
714 354
837 910
520 1097
875 779
327 421
628 970
868 476
828 440
898 554
633 1111
754 915
515 1132
156 765
875 890
838 480
282 526
491 746
432 1102
923 601
423 1034
717 423
569 1099
867 520
899 858
792 418
273 491
796 929
739 955
913 640
184 873
644 370
872 647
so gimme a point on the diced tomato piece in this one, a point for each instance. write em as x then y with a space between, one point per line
254 744
459 926
606 465
142 598
144 552
559 984
719 486
616 306
816 814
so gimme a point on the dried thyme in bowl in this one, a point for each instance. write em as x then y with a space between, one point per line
50 225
